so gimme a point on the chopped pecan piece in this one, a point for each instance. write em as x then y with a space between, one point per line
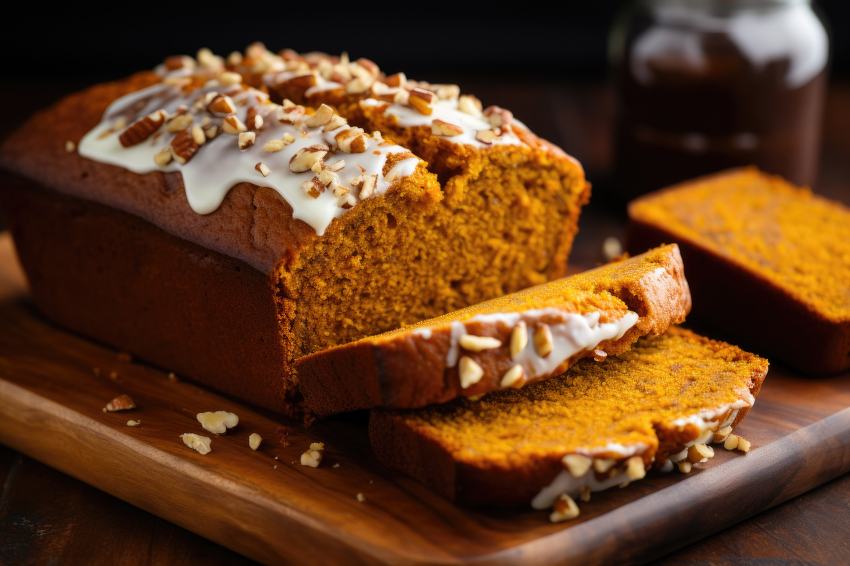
142 129
183 147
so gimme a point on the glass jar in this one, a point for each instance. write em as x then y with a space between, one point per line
704 85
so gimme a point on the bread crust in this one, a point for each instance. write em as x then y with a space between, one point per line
745 305
404 369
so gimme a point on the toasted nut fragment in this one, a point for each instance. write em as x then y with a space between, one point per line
585 493
254 440
442 128
486 136
602 465
337 166
234 59
311 458
273 146
229 78
121 403
322 116
685 466
359 85
183 147
498 117
208 60
635 470
395 80
140 130
233 125
261 167
198 135
598 355
478 343
163 158
326 177
401 97
367 185
211 132
564 510
422 100
577 464
543 343
222 104
218 422
351 140
469 372
611 248
469 104
179 123
513 377
288 138
70 146
731 442
198 443
744 445
361 498
448 91
134 423
519 339
306 157
335 123
314 187
178 62
246 140
721 434
346 201
699 452
303 81
253 121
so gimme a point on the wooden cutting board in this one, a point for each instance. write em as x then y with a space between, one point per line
267 506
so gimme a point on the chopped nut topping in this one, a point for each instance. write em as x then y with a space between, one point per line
422 101
336 167
513 377
261 167
222 104
288 138
478 343
314 187
303 81
401 97
359 85
744 445
602 465
179 123
273 146
543 343
577 464
469 372
519 339
721 434
229 78
442 128
731 442
351 140
198 443
611 248
685 466
253 121
486 136
346 201
198 135
585 493
218 422
361 498
367 184
208 60
306 157
289 114
142 129
312 457
246 140
498 117
335 123
635 469
233 125
234 59
254 441
699 452
183 147
70 146
469 104
445 92
134 423
396 80
211 132
564 510
121 403
322 116
163 158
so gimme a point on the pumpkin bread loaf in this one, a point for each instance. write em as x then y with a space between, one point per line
597 426
502 343
769 263
195 219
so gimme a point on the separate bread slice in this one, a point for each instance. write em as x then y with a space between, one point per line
769 263
506 342
597 426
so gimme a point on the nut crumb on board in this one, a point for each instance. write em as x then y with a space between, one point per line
313 456
254 441
218 422
198 443
361 498
121 403
134 423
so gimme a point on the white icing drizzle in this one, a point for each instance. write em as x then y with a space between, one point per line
571 334
219 164
447 111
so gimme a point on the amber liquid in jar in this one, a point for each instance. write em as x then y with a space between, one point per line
704 85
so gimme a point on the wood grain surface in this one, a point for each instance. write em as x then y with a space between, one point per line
51 401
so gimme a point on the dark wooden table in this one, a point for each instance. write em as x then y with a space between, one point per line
47 517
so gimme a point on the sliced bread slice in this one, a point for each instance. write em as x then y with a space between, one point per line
597 426
503 343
